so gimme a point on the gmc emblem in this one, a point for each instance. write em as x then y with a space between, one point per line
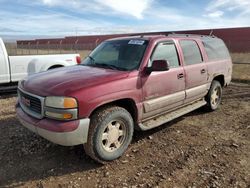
25 101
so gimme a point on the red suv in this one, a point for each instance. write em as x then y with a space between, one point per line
126 83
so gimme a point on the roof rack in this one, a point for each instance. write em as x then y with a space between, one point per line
141 35
189 35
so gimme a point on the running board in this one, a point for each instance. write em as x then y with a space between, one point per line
157 121
7 89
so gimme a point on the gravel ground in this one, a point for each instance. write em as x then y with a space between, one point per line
198 150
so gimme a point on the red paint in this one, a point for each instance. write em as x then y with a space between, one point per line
78 59
58 126
48 124
93 87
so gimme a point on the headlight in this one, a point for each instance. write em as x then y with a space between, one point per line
61 108
61 102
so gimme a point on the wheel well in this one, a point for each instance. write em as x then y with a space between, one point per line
220 78
127 104
55 66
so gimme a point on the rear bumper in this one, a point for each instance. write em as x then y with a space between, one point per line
228 80
63 133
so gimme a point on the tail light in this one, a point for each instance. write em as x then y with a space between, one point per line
78 60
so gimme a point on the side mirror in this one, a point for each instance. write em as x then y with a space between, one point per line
158 65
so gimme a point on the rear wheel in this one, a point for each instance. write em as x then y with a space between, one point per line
214 95
110 133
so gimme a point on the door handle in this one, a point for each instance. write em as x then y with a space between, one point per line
179 76
203 71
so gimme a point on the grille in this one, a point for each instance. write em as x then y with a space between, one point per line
32 103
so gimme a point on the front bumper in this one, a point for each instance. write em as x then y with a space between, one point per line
68 133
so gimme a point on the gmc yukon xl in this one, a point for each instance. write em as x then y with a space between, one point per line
128 83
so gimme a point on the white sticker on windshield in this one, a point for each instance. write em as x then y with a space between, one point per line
136 42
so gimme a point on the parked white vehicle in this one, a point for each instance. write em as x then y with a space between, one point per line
15 68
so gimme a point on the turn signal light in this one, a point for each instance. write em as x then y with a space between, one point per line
78 60
69 103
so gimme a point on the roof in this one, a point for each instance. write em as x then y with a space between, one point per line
155 37
144 37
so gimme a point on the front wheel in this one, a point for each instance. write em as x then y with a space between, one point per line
110 133
214 95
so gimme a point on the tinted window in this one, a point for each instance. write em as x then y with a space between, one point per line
119 54
191 52
215 49
166 51
108 53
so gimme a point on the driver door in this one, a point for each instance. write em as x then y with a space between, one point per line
165 90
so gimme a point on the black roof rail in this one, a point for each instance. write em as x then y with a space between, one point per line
141 35
189 35
134 34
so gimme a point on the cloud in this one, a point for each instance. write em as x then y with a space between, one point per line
173 19
63 18
229 5
49 23
215 14
134 8
51 2
231 13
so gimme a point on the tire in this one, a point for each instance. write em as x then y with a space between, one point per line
214 95
110 133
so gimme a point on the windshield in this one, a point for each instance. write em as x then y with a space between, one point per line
118 54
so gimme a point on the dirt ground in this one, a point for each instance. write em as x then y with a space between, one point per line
200 149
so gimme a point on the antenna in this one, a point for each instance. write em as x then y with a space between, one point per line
211 32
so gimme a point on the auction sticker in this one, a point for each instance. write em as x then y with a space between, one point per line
136 42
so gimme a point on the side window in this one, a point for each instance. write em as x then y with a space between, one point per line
215 49
166 51
191 52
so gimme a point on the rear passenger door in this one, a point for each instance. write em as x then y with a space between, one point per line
195 70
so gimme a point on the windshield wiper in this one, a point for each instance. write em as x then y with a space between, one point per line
91 58
92 64
110 66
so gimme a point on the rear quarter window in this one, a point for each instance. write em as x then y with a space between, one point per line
215 49
191 52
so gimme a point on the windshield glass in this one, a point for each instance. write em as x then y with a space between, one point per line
118 54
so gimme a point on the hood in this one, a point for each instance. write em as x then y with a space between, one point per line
67 80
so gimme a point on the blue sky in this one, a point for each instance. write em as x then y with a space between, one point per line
81 17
